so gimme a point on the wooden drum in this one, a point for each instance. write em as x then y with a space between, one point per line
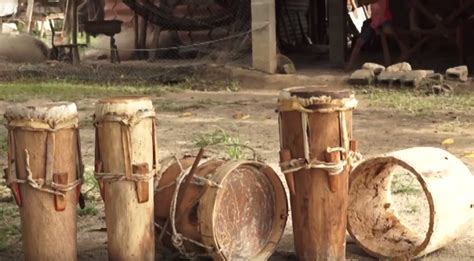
126 154
45 173
229 210
316 154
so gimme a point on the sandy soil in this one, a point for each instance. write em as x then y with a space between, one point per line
379 130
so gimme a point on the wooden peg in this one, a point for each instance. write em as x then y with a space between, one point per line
285 155
15 188
333 180
98 169
353 145
60 203
142 186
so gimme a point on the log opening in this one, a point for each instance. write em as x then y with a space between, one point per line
373 221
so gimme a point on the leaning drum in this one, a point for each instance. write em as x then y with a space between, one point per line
126 162
316 154
230 210
374 224
45 173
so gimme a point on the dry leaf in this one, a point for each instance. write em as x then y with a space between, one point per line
469 155
186 114
448 141
240 116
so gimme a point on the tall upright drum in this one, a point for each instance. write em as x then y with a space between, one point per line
44 173
316 154
126 162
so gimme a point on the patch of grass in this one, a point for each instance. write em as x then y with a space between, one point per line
412 209
91 186
89 210
6 233
417 103
167 106
199 84
62 90
231 144
404 184
3 142
10 211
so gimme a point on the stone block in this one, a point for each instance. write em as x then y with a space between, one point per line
413 78
435 77
457 73
390 78
399 67
376 68
362 77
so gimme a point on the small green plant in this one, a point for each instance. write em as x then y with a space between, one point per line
90 183
233 147
404 183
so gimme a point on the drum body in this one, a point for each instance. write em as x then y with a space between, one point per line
373 221
232 210
315 136
45 173
125 165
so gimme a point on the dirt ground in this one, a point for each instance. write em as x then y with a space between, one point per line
184 115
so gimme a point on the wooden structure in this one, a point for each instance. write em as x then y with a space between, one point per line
317 152
228 210
447 184
126 161
440 20
45 174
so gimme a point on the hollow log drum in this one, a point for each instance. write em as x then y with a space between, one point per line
45 173
126 161
315 136
232 210
373 222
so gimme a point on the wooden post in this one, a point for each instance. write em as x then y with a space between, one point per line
48 221
74 49
264 50
337 13
319 207
29 14
125 151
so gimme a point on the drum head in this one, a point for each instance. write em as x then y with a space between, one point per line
249 212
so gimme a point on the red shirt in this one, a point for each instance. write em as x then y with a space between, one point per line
380 13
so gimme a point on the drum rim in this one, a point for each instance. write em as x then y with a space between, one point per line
317 91
393 160
206 212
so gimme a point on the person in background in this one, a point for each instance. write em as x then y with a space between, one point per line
380 22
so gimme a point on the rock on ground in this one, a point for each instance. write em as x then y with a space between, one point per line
399 67
457 73
376 68
362 77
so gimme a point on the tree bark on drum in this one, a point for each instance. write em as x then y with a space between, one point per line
319 215
130 227
47 234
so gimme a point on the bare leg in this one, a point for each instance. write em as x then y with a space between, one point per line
386 50
355 53
388 30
